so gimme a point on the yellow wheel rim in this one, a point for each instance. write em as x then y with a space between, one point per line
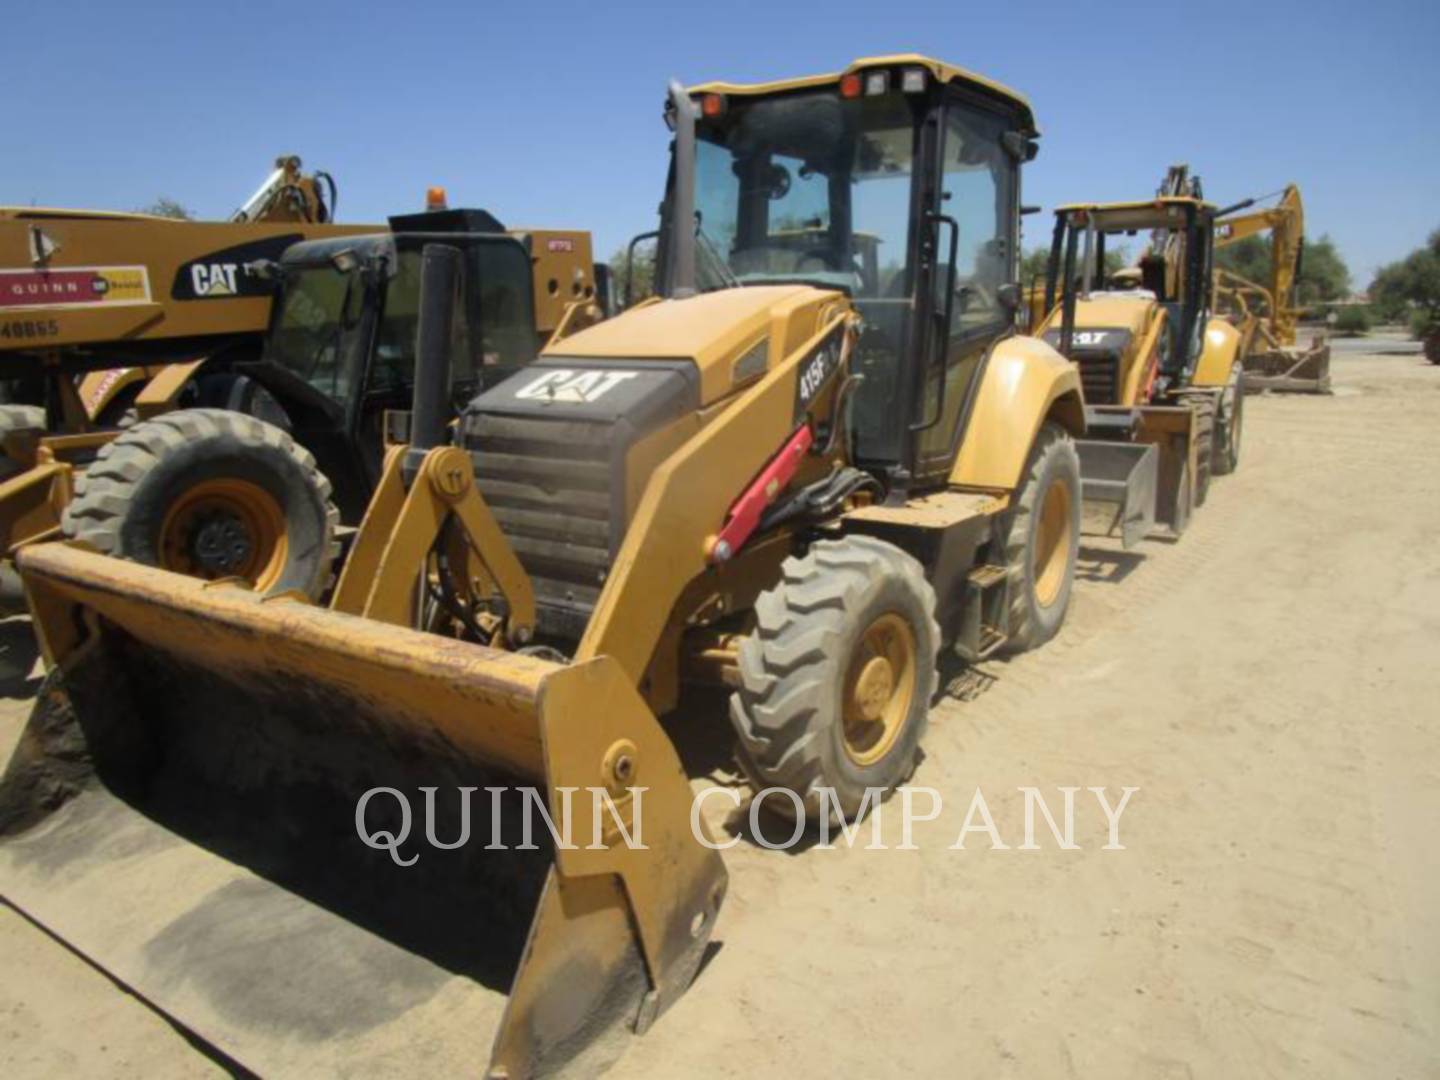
879 688
226 528
1052 544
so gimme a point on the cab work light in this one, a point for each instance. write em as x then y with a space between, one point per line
876 83
912 80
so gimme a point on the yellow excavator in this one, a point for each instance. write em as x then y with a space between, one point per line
1266 314
819 458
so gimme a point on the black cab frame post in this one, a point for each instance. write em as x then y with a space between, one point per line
679 267
440 269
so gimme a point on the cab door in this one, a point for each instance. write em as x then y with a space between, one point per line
975 241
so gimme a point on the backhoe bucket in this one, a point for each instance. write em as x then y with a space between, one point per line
184 809
1286 368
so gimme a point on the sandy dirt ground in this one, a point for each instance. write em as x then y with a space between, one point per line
1268 684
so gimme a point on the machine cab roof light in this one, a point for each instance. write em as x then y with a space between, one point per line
876 83
850 86
912 80
712 104
435 199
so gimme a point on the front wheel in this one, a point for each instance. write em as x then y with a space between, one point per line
211 494
836 679
1042 540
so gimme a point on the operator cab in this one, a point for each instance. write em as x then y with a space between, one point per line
895 182
341 346
1097 317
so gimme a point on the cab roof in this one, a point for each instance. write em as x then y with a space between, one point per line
1139 206
941 71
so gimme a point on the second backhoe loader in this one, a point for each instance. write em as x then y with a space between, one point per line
810 465
246 459
1164 386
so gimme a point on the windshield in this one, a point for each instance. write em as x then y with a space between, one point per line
318 314
493 335
806 187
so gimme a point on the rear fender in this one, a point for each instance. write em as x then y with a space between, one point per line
1220 354
1025 383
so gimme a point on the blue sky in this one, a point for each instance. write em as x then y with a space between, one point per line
549 114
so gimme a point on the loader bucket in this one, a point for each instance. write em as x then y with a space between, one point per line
182 810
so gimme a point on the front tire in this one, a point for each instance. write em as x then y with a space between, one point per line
1042 540
837 679
210 494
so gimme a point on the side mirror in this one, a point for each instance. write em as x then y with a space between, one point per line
1010 296
1020 146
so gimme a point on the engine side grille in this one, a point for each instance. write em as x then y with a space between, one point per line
549 484
550 446
1099 377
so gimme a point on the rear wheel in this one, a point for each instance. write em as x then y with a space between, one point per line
837 678
1042 540
1180 519
1204 407
1231 425
210 494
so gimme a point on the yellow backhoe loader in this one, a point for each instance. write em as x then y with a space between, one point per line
822 455
1266 314
222 449
1163 378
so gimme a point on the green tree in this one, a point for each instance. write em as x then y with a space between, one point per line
1250 258
1035 263
1323 273
643 270
163 207
1352 320
1411 286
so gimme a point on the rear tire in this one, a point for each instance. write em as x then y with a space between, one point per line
1232 425
212 494
837 679
1042 540
1204 407
13 420
1180 520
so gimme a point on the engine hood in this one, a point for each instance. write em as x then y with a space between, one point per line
732 336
